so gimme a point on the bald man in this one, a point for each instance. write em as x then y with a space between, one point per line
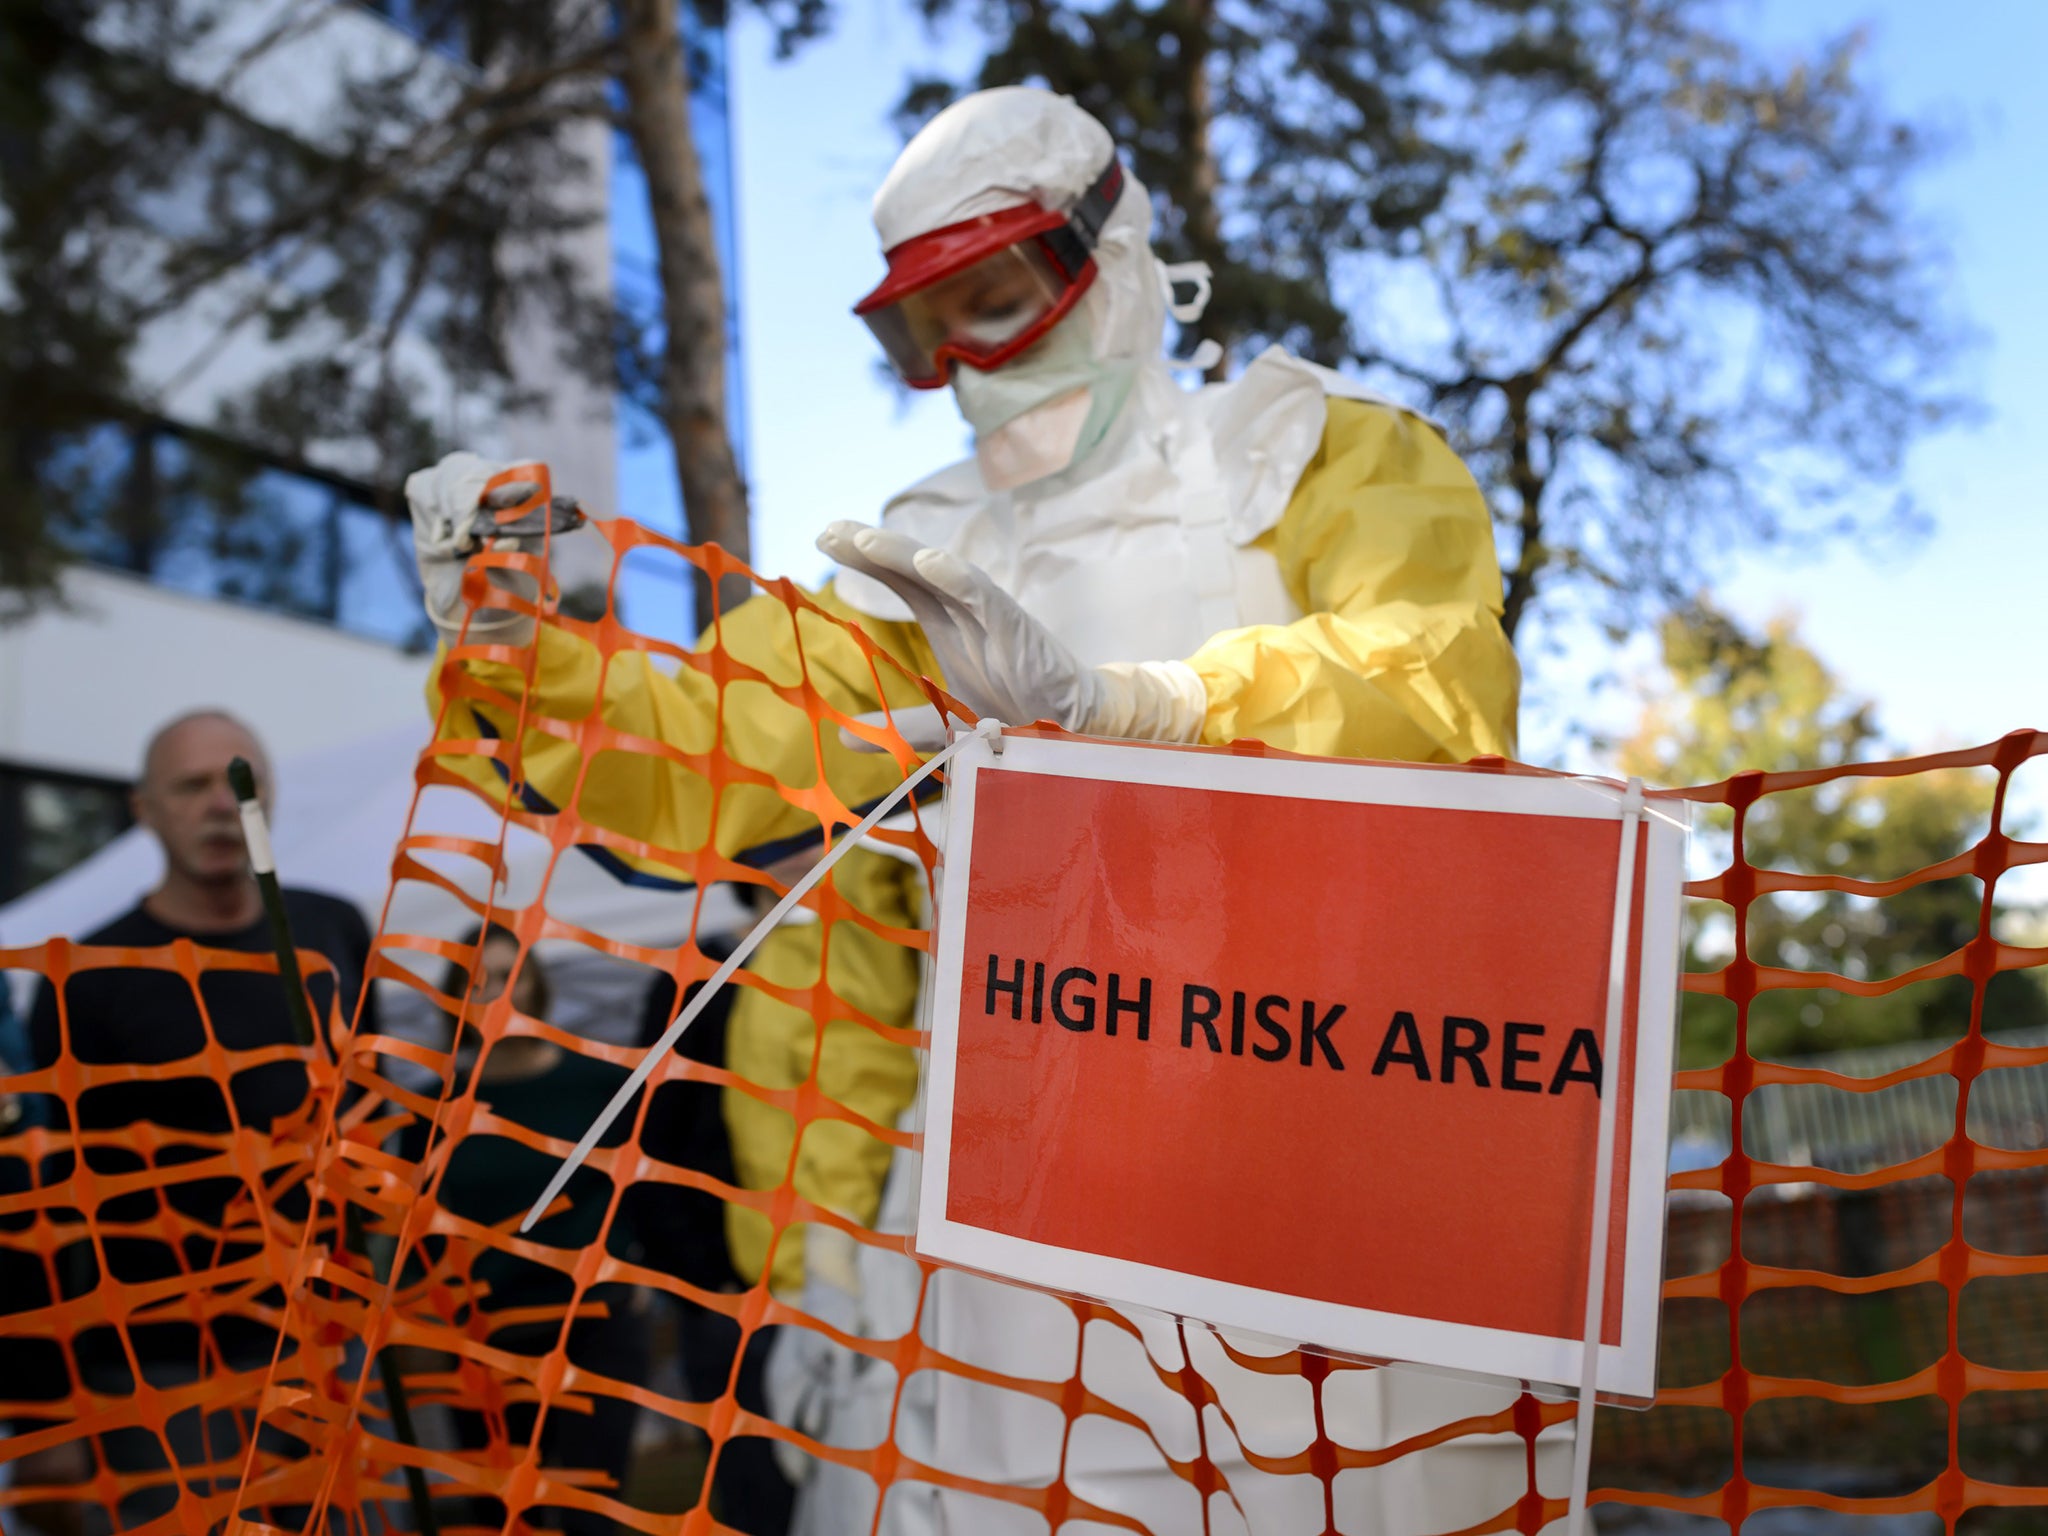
209 895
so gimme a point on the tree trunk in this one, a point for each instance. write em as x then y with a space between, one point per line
1531 557
1205 221
692 288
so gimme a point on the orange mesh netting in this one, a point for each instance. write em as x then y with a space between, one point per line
1904 1332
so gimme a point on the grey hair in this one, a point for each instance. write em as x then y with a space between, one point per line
178 722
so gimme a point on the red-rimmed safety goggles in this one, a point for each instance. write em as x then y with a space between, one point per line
981 291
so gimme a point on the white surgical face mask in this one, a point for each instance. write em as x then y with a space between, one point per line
1041 442
1029 418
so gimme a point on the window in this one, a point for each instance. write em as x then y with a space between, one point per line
199 515
378 593
457 28
86 480
229 528
50 821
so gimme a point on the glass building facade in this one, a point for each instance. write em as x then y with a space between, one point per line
196 513
200 515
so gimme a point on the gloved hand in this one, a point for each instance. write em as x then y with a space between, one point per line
451 520
1002 662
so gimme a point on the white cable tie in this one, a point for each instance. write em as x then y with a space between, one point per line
986 730
1632 811
1201 276
1618 793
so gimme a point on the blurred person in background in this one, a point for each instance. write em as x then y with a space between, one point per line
532 1082
135 1016
25 1287
683 1233
14 1058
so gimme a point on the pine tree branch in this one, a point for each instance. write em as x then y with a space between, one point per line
1530 555
388 178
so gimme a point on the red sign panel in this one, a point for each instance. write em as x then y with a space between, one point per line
1312 1049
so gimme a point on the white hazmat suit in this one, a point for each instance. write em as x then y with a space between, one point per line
1283 558
1109 526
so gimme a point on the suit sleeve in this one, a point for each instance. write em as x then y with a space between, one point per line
668 787
1387 548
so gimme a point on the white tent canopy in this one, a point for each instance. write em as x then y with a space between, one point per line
338 818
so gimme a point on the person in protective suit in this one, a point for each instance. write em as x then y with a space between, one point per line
1284 557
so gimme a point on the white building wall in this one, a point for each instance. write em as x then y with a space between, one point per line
575 429
83 686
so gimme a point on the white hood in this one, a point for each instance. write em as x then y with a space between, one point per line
1013 145
1140 550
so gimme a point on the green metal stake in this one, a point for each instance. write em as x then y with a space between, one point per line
256 833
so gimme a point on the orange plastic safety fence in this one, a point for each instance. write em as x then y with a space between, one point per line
527 1360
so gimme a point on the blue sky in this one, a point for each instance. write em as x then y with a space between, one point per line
1953 640
1949 637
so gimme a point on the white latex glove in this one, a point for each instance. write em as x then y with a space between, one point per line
450 522
1002 662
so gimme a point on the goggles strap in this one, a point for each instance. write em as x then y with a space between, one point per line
1073 244
1092 212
